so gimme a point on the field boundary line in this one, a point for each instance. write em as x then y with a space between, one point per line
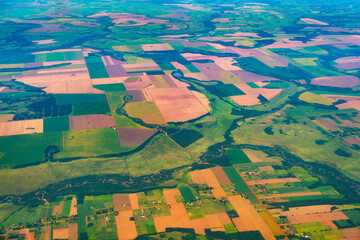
286 237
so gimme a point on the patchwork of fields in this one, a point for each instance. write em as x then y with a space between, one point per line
145 119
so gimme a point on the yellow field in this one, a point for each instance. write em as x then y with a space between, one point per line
314 98
146 111
270 222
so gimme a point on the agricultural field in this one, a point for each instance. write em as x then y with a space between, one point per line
193 119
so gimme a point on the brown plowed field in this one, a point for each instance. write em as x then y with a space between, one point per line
121 202
134 136
221 176
91 121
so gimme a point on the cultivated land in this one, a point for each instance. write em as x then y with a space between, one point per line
197 120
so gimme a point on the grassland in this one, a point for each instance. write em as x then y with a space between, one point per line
227 90
299 139
160 153
91 142
26 149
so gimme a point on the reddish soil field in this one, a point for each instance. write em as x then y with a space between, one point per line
62 233
126 229
133 136
30 236
58 209
134 201
351 233
197 177
73 231
121 202
91 121
170 195
178 218
73 209
316 217
221 176
271 181
212 182
46 232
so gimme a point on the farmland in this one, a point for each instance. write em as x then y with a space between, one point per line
145 119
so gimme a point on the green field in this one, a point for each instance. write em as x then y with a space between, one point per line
318 230
237 156
91 142
26 149
227 90
56 124
252 85
186 137
240 186
96 67
277 84
187 194
74 99
59 56
91 108
26 214
353 215
114 87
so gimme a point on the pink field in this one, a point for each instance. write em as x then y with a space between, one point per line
21 127
91 121
6 117
60 82
297 194
157 47
316 217
62 233
271 181
313 21
246 100
177 104
251 77
337 81
328 123
134 67
348 62
99 81
124 18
